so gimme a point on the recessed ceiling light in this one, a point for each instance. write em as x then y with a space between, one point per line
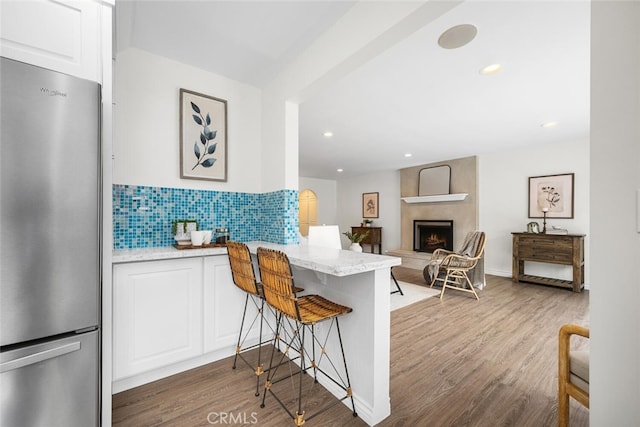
549 124
328 134
491 69
457 36
408 155
340 170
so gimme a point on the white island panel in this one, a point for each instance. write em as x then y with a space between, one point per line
365 335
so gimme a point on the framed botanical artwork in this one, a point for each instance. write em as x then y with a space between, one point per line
203 136
369 205
553 194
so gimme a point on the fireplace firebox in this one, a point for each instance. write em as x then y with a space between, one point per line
429 235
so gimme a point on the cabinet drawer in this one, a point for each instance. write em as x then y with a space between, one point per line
545 255
554 243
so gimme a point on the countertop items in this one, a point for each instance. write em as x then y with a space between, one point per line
162 252
202 246
336 262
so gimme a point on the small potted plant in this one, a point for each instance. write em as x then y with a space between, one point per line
367 222
355 239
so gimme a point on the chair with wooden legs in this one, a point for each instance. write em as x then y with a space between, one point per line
244 278
304 312
573 372
451 268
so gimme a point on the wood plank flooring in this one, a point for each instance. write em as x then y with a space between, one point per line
456 362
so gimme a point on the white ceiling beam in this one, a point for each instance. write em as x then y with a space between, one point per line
365 31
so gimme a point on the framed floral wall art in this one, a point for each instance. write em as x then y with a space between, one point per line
203 136
370 205
553 193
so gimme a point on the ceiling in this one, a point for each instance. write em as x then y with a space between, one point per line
412 96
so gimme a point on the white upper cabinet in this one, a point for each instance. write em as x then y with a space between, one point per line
60 35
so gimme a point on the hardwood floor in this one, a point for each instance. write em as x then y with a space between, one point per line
456 362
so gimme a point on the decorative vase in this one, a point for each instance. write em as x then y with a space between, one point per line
355 247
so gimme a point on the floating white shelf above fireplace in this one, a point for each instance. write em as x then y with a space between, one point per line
438 198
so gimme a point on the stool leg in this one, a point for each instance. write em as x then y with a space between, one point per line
273 366
244 313
314 364
299 420
259 370
346 371
271 371
299 336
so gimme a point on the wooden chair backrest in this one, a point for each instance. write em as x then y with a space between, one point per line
242 268
277 281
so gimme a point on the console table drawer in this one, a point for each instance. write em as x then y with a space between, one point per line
547 241
546 253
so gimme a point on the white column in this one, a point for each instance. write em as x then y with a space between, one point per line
615 242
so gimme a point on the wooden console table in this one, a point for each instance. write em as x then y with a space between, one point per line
373 239
567 249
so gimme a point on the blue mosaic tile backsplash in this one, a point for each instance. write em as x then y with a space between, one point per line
142 216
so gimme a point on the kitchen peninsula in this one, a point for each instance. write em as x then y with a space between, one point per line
177 309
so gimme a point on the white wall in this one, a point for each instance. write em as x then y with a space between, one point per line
503 199
326 192
503 179
146 123
349 199
615 239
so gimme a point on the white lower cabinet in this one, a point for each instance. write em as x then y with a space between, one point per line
157 317
223 307
172 315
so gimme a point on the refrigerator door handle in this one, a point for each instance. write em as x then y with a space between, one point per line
39 357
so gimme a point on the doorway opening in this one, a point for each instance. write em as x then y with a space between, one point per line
307 210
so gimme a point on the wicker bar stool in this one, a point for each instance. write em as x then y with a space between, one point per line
244 278
304 312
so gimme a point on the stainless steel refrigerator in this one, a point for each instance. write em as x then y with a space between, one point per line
50 265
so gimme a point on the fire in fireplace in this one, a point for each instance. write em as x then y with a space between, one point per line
429 235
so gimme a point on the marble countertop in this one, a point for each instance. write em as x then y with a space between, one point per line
163 252
336 262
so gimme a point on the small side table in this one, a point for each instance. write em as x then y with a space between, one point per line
373 239
567 249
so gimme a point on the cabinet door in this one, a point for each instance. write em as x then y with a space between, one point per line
60 35
157 317
223 307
